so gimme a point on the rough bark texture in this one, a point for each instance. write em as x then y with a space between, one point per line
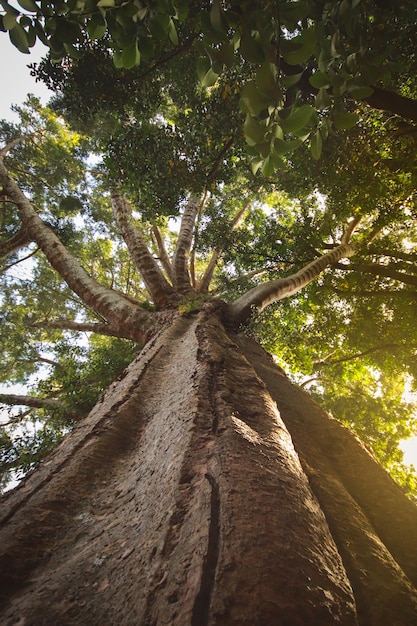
182 500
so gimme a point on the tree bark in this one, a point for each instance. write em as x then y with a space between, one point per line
182 281
259 297
183 499
159 289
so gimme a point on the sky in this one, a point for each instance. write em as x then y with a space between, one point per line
17 82
15 79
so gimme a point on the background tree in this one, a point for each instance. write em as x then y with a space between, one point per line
154 485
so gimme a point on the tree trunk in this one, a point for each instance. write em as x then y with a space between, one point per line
182 499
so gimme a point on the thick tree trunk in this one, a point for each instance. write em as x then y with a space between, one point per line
182 499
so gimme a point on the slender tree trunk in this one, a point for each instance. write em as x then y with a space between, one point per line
157 285
182 281
183 499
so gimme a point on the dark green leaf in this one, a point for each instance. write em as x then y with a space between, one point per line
252 101
297 119
206 75
253 131
316 145
29 5
18 37
319 80
344 120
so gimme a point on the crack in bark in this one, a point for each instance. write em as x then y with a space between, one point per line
201 609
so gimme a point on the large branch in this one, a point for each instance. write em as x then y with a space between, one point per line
261 296
83 327
117 310
159 289
393 102
182 280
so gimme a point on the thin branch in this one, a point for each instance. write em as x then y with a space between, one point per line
328 361
261 296
194 248
36 403
350 229
15 243
25 258
162 252
15 142
380 270
204 284
86 327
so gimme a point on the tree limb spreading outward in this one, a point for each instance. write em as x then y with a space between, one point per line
116 309
259 297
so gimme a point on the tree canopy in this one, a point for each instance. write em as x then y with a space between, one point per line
240 149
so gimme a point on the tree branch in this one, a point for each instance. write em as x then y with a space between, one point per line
384 346
162 252
380 270
35 403
117 310
86 327
15 243
204 284
159 289
261 296
181 276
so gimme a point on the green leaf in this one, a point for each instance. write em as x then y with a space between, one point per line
361 92
159 26
297 119
253 131
256 164
316 145
19 38
266 80
66 31
250 49
291 79
319 80
131 56
75 53
251 100
172 32
286 147
117 59
322 99
344 120
105 4
300 48
29 5
292 12
217 17
206 75
268 166
9 21
97 26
